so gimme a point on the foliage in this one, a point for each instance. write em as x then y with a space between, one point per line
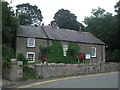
24 19
28 14
7 52
117 7
27 75
6 62
104 26
20 57
113 55
44 53
9 24
66 19
73 51
56 54
117 10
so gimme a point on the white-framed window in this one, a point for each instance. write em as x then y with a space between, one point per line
30 56
65 48
93 52
31 42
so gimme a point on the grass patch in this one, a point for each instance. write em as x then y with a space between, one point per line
27 75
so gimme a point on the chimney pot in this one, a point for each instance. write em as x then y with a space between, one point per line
55 26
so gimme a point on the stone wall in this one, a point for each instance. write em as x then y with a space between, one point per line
55 70
14 72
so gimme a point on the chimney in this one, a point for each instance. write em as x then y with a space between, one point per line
80 29
55 26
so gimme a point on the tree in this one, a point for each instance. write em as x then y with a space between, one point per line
9 27
104 25
9 24
117 10
65 19
117 7
28 14
73 51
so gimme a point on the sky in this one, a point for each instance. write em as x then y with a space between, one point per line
80 8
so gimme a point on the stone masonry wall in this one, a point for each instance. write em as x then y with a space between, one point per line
55 70
14 72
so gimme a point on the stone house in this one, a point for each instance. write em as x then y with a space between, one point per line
29 38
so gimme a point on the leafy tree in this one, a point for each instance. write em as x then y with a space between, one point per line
104 25
9 27
28 14
9 24
7 52
73 51
56 54
44 53
117 10
65 19
25 19
117 7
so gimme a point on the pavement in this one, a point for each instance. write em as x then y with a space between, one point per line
5 83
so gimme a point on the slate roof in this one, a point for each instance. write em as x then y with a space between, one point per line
48 32
30 31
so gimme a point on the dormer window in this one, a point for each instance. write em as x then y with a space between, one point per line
31 42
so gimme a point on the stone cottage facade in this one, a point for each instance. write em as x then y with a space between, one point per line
29 38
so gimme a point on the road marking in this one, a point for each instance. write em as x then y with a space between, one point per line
26 86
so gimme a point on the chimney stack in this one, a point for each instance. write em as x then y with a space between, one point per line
55 26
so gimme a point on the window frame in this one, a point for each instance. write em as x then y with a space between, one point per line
65 50
28 42
33 57
94 52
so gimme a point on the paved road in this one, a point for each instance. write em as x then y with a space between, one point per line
107 80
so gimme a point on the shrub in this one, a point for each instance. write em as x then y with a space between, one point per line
44 53
56 54
73 51
7 54
20 57
6 62
27 75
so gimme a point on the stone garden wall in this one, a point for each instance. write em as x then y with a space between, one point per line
55 70
14 72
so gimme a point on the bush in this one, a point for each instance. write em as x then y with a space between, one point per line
44 53
7 54
73 51
56 54
20 57
27 75
7 62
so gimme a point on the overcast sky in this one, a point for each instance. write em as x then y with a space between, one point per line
80 8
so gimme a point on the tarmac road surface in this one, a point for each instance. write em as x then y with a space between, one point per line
102 80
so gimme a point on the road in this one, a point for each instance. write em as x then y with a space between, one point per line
103 80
